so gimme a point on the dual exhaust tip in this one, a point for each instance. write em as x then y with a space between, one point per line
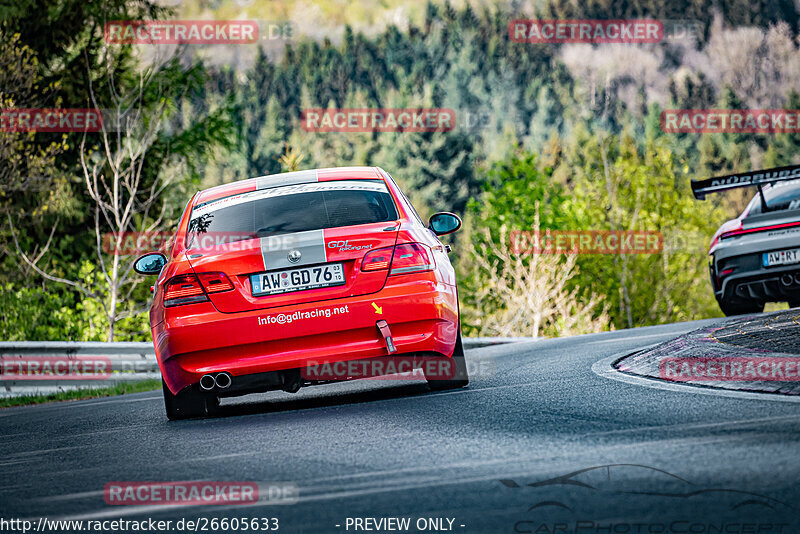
789 280
220 381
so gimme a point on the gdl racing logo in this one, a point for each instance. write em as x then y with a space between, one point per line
345 246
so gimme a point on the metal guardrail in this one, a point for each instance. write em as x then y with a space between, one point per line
113 363
478 342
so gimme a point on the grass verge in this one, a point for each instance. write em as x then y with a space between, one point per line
122 388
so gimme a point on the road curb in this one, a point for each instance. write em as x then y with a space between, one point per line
686 359
605 368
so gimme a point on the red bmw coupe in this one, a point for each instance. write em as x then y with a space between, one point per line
272 277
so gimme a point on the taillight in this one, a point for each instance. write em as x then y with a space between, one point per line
726 235
726 230
742 231
406 258
215 282
183 289
411 258
377 260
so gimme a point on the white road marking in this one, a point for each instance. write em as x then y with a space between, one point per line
666 334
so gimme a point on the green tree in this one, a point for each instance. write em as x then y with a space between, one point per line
624 188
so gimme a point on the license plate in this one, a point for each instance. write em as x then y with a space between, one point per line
782 257
299 279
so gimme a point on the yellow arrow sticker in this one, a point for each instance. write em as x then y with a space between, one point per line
378 309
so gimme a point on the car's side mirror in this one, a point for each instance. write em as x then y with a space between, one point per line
443 223
150 263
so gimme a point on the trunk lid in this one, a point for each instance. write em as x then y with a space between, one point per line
346 245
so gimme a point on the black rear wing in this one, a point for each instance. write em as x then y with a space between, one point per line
701 188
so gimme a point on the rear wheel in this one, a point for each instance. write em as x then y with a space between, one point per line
188 403
740 307
460 377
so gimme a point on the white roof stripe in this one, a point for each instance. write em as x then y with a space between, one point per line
287 178
249 196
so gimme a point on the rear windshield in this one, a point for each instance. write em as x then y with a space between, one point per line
779 197
294 208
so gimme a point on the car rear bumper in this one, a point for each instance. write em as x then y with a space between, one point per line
748 278
755 283
422 314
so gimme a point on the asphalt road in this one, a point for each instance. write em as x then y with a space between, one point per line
526 448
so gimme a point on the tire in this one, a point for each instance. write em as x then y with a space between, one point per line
740 307
461 378
794 303
188 403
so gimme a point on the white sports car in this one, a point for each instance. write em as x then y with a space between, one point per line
755 258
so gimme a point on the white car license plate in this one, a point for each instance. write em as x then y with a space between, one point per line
299 279
782 257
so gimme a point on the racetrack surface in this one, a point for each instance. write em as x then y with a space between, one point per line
386 449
